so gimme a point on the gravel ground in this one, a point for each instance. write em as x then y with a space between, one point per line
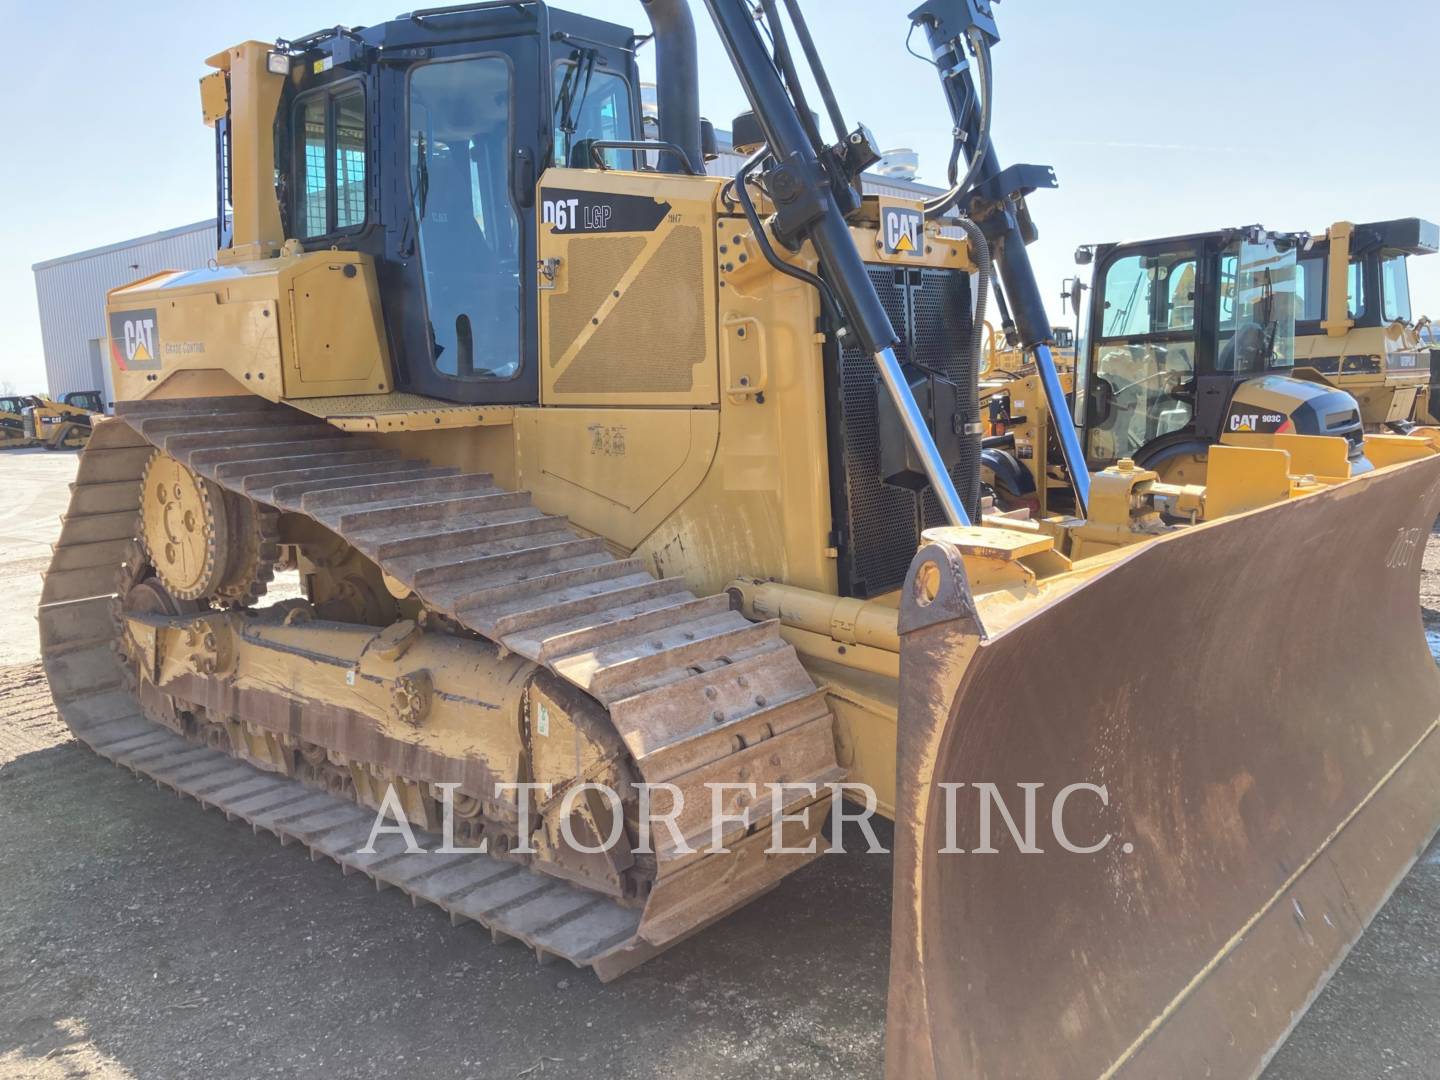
143 937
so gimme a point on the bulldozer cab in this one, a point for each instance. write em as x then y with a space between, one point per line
418 142
1176 325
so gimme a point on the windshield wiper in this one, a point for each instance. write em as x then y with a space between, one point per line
570 99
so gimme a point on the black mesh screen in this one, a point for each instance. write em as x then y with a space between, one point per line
940 334
878 526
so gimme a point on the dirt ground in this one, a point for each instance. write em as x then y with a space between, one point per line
141 936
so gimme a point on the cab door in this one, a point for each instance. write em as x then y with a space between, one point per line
1142 348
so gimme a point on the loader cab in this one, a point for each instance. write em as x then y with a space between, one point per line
1377 276
419 142
87 400
1355 324
1175 327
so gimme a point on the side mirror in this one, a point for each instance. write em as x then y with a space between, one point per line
1073 289
1099 403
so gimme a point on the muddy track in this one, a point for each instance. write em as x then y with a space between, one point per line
697 693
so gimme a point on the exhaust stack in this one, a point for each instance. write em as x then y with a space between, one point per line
677 73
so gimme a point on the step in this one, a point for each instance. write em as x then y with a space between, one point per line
499 557
291 495
448 509
554 641
620 668
395 492
470 599
405 542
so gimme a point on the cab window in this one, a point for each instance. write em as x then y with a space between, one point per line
1149 294
1310 289
1355 291
591 103
330 131
1143 356
1394 289
1257 308
469 232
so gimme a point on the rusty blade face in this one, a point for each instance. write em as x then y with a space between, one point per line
1258 701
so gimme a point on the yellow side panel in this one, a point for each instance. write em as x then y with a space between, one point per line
302 325
627 288
214 97
1241 478
338 337
1383 450
204 320
615 472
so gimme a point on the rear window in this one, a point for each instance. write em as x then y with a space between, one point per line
330 161
1310 289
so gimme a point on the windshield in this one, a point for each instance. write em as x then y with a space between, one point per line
591 103
469 234
1394 288
1257 308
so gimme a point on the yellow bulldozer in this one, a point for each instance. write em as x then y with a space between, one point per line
635 509
63 424
1354 326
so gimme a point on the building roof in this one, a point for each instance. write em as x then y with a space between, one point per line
164 234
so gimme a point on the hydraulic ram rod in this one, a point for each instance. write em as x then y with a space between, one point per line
804 197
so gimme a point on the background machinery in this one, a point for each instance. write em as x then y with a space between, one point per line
64 424
12 419
607 477
1354 326
1192 341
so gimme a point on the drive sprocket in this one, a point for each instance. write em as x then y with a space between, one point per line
204 542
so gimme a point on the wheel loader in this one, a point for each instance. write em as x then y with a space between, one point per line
606 481
1209 338
64 424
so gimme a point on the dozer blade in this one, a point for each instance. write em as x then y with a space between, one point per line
1256 697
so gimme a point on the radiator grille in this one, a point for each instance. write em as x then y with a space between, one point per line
654 338
596 267
878 525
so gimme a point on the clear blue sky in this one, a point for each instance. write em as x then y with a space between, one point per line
1159 117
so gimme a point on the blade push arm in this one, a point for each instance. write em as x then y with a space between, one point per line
994 201
807 208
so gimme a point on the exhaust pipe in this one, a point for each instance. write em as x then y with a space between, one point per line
677 77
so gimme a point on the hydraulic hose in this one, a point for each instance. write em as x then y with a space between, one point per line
940 206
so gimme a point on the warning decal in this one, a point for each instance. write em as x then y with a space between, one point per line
902 230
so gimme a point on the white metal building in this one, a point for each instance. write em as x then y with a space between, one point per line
71 293
71 289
